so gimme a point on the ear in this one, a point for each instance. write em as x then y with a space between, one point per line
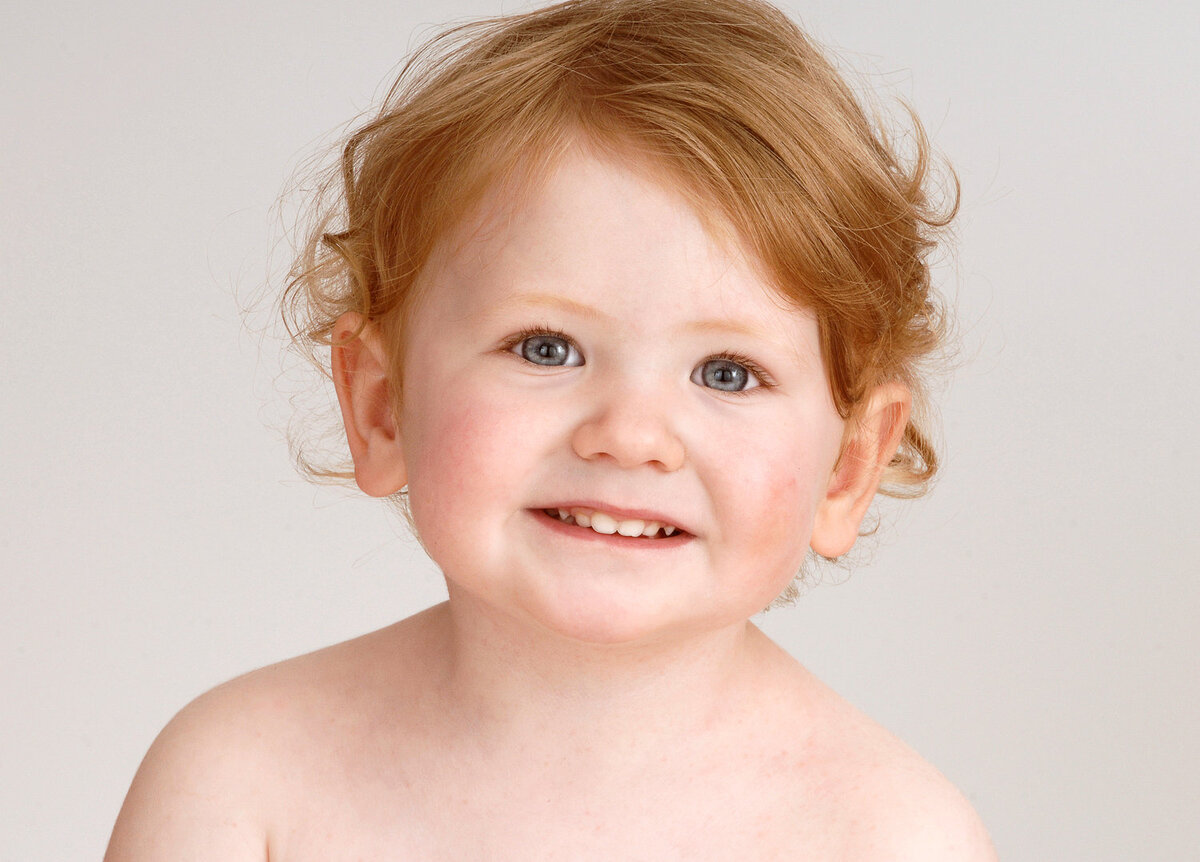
872 439
360 366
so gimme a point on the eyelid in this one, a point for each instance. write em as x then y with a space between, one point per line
764 378
533 331
761 375
509 344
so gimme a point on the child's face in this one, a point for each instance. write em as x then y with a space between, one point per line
569 356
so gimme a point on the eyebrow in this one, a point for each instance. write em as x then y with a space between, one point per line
725 327
561 303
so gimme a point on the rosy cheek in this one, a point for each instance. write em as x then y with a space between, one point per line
466 455
452 451
785 506
789 511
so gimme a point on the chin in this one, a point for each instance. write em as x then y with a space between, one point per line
605 621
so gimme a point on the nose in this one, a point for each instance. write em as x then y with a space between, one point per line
631 430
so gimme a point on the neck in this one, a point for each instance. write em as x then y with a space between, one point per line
509 680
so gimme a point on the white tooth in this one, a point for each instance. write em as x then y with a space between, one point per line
651 528
603 523
668 530
582 519
563 514
631 528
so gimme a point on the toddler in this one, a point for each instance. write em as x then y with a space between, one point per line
623 302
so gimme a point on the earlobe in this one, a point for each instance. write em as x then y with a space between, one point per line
360 366
872 442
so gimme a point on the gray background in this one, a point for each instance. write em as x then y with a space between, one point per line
1030 627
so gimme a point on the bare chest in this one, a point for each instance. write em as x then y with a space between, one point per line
649 810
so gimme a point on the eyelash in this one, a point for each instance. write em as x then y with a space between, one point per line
532 332
765 380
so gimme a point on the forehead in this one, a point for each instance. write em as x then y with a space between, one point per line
612 234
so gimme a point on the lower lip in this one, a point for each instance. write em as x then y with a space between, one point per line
616 540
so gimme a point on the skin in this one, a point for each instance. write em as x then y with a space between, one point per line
579 696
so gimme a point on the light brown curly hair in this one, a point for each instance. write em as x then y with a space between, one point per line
727 98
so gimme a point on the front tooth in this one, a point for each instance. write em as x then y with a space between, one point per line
631 528
668 530
651 528
583 519
603 523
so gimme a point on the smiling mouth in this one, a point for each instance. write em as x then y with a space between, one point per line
608 525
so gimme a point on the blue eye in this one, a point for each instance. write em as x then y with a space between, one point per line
725 375
547 349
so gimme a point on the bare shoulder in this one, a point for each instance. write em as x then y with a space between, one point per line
221 771
917 813
887 801
194 793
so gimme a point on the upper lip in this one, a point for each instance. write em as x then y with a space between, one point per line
621 513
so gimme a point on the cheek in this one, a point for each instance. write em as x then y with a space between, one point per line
464 454
778 497
450 449
785 519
